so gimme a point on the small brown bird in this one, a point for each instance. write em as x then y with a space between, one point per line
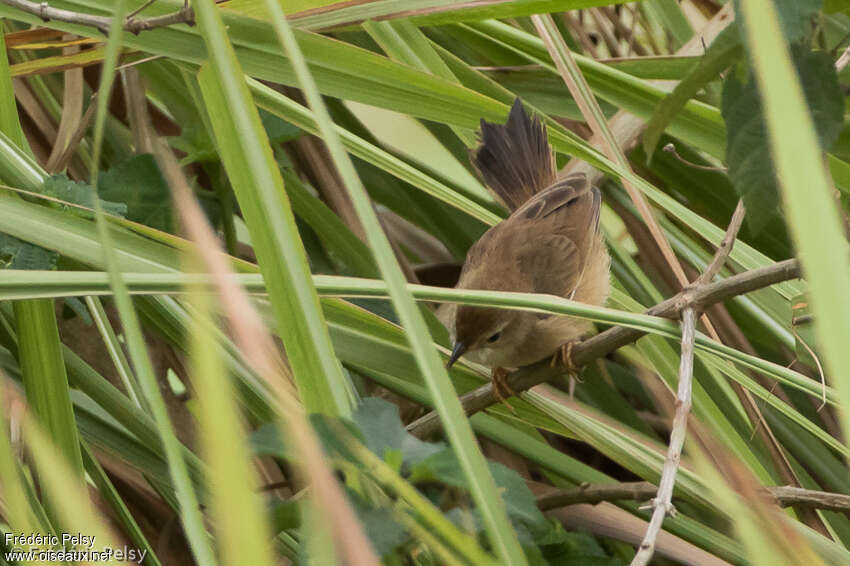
550 244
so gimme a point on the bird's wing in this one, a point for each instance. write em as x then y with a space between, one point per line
552 264
542 247
562 222
565 192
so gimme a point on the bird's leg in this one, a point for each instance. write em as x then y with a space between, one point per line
501 387
564 356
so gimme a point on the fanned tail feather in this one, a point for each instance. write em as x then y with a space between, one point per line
514 158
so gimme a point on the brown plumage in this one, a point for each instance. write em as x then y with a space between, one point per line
549 244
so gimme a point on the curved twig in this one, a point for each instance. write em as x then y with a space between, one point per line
43 10
785 496
662 503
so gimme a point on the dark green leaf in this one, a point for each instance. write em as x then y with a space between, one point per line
384 532
63 188
138 184
383 431
17 254
562 547
443 467
266 441
285 515
278 130
748 153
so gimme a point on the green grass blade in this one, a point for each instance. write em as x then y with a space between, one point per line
481 483
289 110
243 534
259 189
10 123
45 378
62 485
806 188
669 13
191 518
435 12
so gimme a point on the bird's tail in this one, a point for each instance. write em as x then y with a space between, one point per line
514 158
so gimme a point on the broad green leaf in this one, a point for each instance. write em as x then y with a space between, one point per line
383 431
138 184
384 531
17 254
748 153
75 192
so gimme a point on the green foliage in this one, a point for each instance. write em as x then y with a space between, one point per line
75 192
796 16
384 531
382 432
17 254
138 184
434 468
278 130
441 66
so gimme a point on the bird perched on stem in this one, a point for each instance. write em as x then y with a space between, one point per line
550 244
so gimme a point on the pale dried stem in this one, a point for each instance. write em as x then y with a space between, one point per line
184 15
725 247
72 111
662 504
843 60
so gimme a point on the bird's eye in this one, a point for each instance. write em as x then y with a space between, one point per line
494 337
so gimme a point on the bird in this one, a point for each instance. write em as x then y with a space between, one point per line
551 243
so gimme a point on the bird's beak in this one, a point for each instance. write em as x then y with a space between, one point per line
457 352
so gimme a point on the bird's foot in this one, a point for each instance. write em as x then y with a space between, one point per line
501 388
564 356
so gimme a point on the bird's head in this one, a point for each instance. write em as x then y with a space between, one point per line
478 329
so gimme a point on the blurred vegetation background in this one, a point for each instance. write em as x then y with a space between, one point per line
224 231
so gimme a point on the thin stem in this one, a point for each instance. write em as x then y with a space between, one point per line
184 15
785 496
725 247
662 505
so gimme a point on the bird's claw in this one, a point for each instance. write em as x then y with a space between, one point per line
501 388
564 356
